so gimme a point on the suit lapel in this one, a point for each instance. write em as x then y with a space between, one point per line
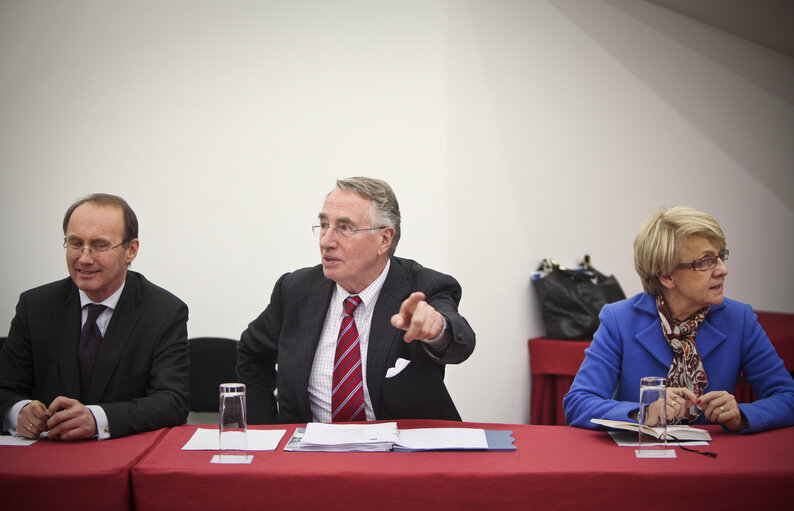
66 325
119 331
651 337
708 336
382 335
311 319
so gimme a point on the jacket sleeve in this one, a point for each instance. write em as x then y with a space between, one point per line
257 355
443 293
591 394
767 375
166 401
16 362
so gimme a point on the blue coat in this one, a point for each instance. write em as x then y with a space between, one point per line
629 344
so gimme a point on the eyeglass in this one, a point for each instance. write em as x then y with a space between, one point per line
342 231
705 263
75 247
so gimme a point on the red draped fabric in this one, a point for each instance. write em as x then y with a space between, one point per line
554 467
85 475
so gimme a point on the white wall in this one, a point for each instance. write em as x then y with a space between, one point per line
511 131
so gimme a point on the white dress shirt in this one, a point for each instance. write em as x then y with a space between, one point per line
321 376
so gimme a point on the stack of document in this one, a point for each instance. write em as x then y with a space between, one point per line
386 437
349 437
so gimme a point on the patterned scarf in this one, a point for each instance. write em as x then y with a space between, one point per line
687 367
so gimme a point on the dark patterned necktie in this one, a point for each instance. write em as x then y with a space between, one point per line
90 339
347 393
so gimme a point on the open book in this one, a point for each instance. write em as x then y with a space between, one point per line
674 432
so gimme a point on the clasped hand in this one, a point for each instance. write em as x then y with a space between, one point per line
64 419
718 406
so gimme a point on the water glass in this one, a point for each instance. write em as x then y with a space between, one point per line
653 414
233 430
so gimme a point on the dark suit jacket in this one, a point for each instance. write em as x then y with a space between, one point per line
288 331
141 374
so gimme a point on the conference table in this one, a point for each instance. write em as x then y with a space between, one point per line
554 467
85 475
554 363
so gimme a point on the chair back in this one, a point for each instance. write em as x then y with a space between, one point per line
212 361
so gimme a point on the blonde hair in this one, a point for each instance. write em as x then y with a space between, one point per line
660 240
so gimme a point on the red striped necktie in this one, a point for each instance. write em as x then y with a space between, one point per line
347 395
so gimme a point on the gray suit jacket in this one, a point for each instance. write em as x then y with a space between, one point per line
141 374
288 331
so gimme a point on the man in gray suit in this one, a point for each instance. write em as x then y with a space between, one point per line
375 328
100 354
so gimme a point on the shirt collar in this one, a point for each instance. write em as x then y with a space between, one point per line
110 302
369 295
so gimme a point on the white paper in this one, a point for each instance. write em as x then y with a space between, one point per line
442 438
258 440
232 460
631 439
349 437
667 453
17 440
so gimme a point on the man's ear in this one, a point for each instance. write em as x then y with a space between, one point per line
132 250
386 237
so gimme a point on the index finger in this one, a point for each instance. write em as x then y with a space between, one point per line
707 397
410 303
34 412
58 403
688 394
38 409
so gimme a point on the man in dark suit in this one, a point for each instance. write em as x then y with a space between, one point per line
100 354
405 326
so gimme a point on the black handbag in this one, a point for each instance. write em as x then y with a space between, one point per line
571 299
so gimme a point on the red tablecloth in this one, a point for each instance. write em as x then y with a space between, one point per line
82 475
555 467
554 363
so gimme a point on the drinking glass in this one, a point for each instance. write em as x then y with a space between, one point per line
653 414
233 430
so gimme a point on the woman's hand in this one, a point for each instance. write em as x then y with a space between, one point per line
720 407
679 399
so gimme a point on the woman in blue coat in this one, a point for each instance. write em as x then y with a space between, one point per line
682 328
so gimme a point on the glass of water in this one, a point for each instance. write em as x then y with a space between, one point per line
233 430
653 414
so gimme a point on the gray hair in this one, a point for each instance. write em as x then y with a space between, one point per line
384 211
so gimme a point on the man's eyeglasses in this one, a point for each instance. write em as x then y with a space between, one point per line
76 247
705 263
341 231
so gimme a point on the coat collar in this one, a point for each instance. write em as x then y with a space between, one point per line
651 338
382 335
119 331
66 321
311 318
